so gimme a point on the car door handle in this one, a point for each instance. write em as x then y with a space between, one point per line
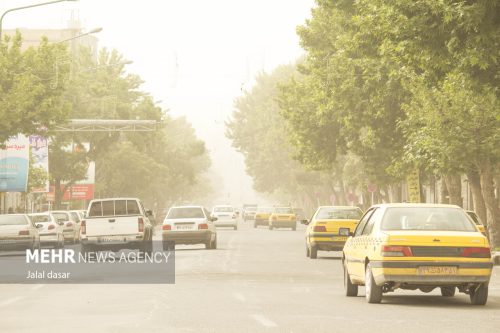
111 220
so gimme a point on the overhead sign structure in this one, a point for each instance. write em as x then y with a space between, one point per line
14 164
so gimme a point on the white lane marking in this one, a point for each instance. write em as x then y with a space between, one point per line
11 300
38 286
239 297
264 321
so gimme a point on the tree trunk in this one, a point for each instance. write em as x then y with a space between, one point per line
58 194
477 195
444 198
454 186
492 208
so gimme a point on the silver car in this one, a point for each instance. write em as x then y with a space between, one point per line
51 230
71 228
18 233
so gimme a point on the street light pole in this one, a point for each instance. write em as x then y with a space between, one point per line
93 31
26 7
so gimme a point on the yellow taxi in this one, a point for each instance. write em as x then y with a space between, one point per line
282 217
324 230
417 246
262 216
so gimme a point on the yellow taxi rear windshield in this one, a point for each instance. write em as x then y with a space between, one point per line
426 218
339 214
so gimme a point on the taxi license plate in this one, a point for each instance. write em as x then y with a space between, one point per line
184 227
437 270
339 239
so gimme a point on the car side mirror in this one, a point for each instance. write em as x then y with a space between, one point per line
149 213
38 226
305 222
213 219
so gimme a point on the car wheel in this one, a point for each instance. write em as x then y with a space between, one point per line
85 249
208 244
313 253
479 295
168 245
270 227
448 291
308 253
214 244
147 247
235 228
255 225
351 290
373 292
294 228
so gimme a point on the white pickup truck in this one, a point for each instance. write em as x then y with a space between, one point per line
116 224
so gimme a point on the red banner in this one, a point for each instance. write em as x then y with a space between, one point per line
75 192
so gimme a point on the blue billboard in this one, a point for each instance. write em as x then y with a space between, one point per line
14 164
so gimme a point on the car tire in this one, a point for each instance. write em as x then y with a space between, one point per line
351 290
479 296
214 243
147 247
373 292
255 225
168 245
235 228
294 228
308 253
270 227
313 252
85 249
448 291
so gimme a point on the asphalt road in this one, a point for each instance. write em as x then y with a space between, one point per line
256 281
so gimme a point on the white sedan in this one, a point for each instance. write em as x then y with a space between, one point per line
226 216
189 225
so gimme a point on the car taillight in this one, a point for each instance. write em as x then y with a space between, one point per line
69 224
166 227
83 227
396 251
274 218
319 228
24 232
202 226
50 227
140 223
476 252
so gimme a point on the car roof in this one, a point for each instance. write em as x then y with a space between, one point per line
111 199
223 206
416 205
186 207
340 207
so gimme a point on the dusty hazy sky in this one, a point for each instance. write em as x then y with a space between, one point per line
194 56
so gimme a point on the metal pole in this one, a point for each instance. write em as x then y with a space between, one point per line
25 7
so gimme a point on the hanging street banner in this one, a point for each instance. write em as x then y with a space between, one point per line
40 154
14 164
413 181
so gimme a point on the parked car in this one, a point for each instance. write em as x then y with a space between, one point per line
116 224
417 246
282 217
226 216
51 231
189 225
249 212
18 233
323 232
71 227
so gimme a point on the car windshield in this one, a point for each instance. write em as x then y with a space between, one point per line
339 214
426 218
223 209
251 209
265 210
283 210
13 220
186 213
40 218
